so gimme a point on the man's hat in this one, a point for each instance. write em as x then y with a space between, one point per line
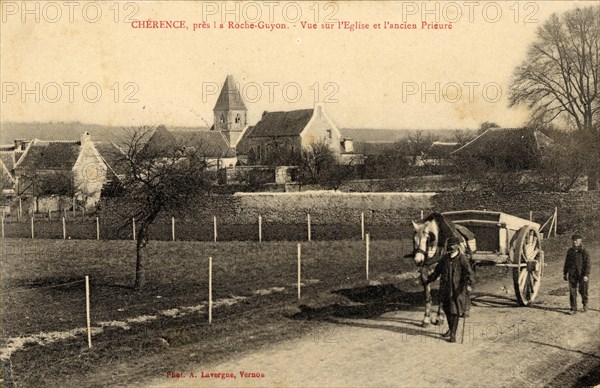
576 236
453 241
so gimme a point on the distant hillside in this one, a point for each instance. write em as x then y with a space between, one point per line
64 131
71 131
392 135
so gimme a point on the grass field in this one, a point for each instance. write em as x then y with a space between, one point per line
43 287
43 291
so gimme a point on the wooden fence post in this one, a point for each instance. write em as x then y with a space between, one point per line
32 228
97 228
87 311
299 269
73 207
555 220
367 255
64 225
308 223
422 215
215 228
2 225
259 228
362 226
133 227
173 228
20 208
530 215
49 215
210 298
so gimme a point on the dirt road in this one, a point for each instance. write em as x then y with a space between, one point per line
504 345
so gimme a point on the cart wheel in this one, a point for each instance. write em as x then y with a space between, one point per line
526 250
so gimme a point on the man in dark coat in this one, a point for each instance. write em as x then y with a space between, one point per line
455 284
577 272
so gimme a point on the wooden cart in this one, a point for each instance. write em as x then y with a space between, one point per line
508 241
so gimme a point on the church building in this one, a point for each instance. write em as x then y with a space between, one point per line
283 133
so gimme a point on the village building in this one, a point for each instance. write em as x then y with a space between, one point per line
230 113
66 170
287 133
511 148
439 154
210 144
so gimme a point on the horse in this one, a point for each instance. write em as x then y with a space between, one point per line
429 245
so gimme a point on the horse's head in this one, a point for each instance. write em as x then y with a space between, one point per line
425 241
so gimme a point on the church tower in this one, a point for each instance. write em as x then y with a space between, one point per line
230 112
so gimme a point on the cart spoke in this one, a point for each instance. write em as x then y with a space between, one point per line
530 286
522 278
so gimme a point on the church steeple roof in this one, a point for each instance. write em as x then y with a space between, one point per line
230 97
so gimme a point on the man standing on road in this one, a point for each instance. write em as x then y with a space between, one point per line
577 272
455 284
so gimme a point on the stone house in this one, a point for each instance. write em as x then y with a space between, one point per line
289 132
83 162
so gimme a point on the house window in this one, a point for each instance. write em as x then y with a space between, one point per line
238 119
222 120
329 133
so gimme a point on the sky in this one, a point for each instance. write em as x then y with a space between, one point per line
86 62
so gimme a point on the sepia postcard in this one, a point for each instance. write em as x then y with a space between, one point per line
300 193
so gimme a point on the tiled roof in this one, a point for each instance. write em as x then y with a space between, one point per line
7 180
442 149
8 159
113 156
290 123
230 97
210 144
43 155
495 140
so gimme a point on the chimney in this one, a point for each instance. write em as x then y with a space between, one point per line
85 137
19 144
348 145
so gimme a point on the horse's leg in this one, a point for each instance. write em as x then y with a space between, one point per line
427 318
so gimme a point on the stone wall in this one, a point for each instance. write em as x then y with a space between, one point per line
575 209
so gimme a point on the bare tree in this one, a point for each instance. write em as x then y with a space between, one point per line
314 161
416 146
161 177
462 137
39 184
560 77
